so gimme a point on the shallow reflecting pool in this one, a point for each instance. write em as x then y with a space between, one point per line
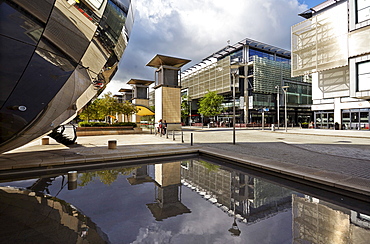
191 201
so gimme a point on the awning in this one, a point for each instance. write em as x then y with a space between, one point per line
143 110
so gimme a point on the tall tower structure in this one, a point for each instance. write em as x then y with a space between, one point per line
168 89
140 95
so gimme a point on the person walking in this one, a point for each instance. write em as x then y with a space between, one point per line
164 127
160 126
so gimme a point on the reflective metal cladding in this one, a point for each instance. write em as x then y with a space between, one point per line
52 55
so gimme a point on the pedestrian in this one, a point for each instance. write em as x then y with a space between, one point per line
164 127
160 126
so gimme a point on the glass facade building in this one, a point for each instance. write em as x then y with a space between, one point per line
56 55
332 45
262 71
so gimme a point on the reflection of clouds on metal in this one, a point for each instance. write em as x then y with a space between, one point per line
29 216
73 50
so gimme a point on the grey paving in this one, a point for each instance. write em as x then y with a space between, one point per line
335 158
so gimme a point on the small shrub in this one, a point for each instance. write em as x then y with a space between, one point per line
103 124
92 124
125 124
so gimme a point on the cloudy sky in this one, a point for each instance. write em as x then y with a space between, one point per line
194 29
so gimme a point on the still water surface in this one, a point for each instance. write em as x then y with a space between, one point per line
192 201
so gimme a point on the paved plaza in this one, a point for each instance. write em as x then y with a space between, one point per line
336 158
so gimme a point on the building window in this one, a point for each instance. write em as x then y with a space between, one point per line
362 10
363 76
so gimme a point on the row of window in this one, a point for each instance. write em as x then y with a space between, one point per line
238 55
362 10
352 119
363 76
270 56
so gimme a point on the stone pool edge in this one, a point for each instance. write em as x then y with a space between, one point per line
49 159
304 173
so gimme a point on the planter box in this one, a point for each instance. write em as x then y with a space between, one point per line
107 130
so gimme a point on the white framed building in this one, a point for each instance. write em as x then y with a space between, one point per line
333 44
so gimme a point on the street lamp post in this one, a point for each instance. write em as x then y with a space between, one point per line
278 105
234 75
285 88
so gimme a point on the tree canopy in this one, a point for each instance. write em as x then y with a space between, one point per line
211 104
127 109
185 107
106 106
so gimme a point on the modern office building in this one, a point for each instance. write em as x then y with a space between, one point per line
332 44
261 72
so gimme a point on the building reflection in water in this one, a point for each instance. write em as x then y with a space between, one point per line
317 221
29 216
249 200
167 192
139 176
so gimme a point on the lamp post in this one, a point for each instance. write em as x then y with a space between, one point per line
234 75
235 66
285 88
278 105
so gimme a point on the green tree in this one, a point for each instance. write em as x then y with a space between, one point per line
107 106
92 111
127 108
211 104
185 108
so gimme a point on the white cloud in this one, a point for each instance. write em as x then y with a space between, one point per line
194 29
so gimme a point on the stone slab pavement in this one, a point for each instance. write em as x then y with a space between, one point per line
336 158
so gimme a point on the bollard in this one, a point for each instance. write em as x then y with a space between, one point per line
182 136
45 141
112 144
191 139
173 135
166 134
72 180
